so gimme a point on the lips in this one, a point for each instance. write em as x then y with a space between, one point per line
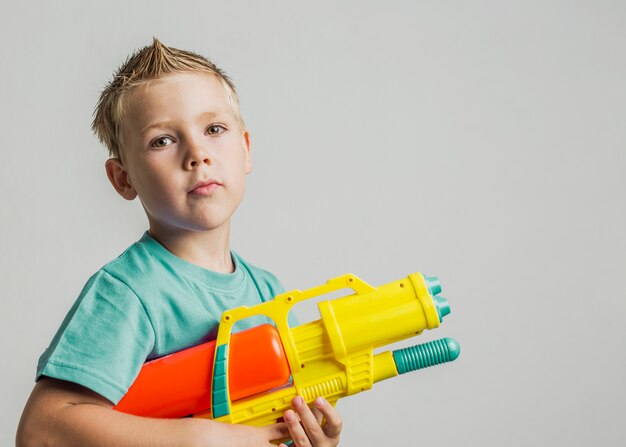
205 187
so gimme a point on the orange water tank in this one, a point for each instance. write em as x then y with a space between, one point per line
179 384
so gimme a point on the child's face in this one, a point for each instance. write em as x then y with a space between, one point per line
185 154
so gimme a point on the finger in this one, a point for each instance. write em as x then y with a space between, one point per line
298 435
309 421
318 415
334 423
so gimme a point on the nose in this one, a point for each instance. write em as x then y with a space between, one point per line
196 154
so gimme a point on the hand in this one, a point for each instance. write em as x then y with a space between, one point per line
306 427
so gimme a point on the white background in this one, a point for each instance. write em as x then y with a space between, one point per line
480 141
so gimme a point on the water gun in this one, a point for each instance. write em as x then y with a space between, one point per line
250 377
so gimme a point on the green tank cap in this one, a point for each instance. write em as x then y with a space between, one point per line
428 354
433 284
443 308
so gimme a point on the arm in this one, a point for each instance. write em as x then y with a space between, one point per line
63 413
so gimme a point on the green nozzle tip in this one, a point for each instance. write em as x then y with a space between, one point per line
454 349
443 308
433 284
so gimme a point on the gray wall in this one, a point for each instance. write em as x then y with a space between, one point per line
479 141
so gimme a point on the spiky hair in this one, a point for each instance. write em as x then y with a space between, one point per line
147 64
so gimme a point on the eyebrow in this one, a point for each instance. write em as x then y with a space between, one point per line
202 117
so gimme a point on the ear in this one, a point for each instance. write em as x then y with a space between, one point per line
246 146
118 176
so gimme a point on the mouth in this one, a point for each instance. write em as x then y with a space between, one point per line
204 187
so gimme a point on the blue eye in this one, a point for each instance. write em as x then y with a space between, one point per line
161 142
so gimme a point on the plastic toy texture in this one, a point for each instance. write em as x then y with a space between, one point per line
251 377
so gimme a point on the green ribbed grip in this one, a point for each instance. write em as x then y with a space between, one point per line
220 387
428 354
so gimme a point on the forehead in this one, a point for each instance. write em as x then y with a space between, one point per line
180 96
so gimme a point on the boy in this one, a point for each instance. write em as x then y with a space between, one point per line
171 122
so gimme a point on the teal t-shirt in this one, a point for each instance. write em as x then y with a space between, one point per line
145 304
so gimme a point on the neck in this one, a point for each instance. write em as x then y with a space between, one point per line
207 249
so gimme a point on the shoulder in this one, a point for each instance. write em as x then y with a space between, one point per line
115 286
126 280
141 267
133 260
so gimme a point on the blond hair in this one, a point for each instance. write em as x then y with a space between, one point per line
150 63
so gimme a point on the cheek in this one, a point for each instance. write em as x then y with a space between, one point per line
242 162
152 182
239 173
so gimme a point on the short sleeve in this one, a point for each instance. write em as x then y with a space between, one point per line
103 341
